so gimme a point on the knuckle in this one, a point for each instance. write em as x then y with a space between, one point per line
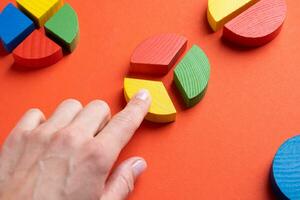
20 130
15 138
102 105
98 155
65 138
126 179
37 136
28 136
127 120
95 151
35 111
21 135
73 102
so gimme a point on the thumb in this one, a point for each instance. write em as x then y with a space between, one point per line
121 182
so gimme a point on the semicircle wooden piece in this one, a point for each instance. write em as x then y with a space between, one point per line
37 51
157 54
191 76
258 25
63 28
220 12
162 109
285 172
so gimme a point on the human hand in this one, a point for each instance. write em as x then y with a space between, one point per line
70 155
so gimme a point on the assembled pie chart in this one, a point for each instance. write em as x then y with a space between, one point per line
39 32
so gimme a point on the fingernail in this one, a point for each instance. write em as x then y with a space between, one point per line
143 95
139 167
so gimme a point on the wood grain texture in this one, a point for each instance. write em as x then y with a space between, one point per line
162 109
158 54
40 10
191 76
63 28
258 25
37 51
221 11
14 27
286 170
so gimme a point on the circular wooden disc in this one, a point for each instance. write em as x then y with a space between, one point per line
286 170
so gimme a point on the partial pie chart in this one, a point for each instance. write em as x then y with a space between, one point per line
249 23
156 56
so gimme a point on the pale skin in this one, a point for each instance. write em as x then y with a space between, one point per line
70 155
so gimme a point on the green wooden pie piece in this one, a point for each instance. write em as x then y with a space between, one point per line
63 28
191 76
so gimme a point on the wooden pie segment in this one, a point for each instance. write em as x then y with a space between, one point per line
258 25
191 76
15 26
162 109
158 54
40 10
37 51
63 28
221 11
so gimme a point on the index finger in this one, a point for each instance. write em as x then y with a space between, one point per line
123 125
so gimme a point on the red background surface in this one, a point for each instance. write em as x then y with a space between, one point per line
220 149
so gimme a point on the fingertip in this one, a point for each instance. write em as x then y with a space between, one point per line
122 180
142 99
74 102
138 167
102 106
143 95
31 120
37 112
